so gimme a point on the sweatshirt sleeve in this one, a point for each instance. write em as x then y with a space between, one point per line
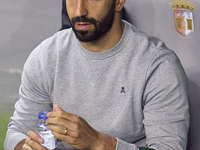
166 111
165 105
121 145
33 99
144 148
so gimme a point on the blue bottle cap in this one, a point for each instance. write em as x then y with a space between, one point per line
43 115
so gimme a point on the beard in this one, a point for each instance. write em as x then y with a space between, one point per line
101 26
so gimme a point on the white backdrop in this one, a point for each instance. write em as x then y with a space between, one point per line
23 25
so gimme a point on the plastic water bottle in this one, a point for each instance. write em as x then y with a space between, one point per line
43 130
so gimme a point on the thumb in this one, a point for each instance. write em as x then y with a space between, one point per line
57 108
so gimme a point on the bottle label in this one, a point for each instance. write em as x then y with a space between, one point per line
50 140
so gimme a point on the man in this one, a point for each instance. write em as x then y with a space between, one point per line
65 18
110 86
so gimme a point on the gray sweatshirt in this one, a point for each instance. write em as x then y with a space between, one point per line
135 92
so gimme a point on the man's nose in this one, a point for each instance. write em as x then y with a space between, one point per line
81 8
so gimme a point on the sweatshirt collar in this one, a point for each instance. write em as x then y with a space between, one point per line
109 53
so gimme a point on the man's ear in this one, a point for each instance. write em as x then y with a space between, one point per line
119 5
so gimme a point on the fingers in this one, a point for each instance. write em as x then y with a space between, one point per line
31 145
33 142
58 129
35 137
59 122
59 125
27 147
61 114
67 138
79 133
57 108
59 132
62 118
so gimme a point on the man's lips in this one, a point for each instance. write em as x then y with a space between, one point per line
82 25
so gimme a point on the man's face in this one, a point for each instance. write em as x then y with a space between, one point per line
89 29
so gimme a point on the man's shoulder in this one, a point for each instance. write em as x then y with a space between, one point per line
141 41
50 48
61 36
60 40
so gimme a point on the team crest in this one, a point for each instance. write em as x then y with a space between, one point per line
184 17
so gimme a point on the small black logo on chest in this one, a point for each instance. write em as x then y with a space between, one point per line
123 90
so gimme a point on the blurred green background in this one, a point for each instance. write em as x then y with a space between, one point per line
4 119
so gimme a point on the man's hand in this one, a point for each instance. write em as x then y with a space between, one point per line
79 133
32 142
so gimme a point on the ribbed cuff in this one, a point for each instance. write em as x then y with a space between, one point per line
122 145
12 140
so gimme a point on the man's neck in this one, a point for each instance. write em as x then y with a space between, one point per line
108 41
